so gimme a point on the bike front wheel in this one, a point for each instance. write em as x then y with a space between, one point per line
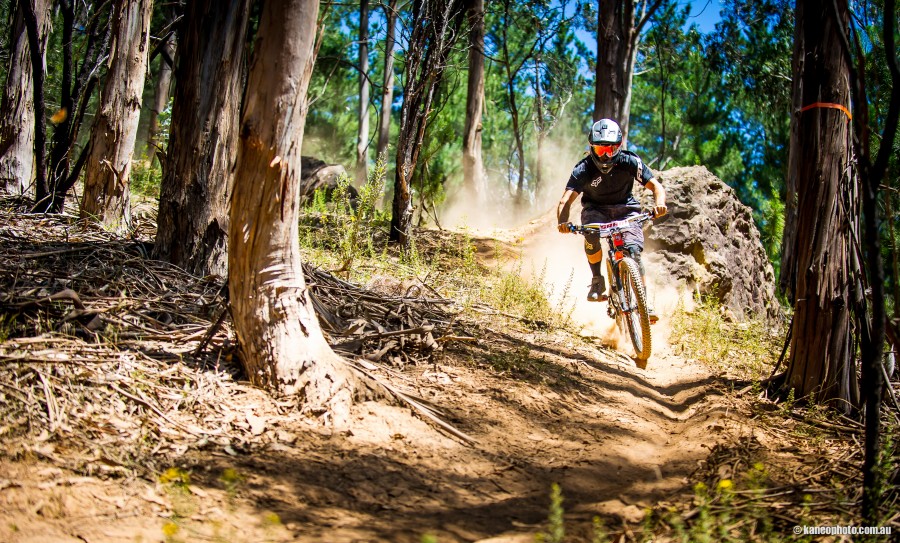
634 308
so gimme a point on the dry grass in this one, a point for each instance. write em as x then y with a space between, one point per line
746 350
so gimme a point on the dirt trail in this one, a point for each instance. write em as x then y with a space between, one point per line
616 438
543 409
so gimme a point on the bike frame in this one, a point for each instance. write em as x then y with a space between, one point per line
613 233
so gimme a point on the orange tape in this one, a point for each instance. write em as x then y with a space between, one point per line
829 106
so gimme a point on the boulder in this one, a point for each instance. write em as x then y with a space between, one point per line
708 242
316 174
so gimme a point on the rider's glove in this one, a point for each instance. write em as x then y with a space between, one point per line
563 227
660 210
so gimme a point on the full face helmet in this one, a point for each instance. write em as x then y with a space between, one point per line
605 139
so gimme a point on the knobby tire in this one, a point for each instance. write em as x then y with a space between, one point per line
635 296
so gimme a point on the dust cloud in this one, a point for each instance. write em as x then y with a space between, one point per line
558 260
498 209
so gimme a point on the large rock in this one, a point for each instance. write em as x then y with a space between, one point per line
316 174
709 243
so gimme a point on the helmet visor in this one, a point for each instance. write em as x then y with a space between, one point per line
606 150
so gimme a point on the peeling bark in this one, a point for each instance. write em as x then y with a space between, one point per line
282 346
821 361
193 208
17 119
106 194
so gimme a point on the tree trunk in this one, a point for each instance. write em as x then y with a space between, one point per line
282 346
511 74
821 361
618 37
193 206
161 92
106 194
895 260
387 93
17 119
540 121
36 51
434 28
473 164
76 89
362 138
520 145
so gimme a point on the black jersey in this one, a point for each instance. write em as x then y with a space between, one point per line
600 189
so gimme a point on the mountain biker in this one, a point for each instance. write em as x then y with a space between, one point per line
604 180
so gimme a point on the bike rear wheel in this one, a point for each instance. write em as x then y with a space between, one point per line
634 308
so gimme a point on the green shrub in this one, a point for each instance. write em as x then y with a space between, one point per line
146 177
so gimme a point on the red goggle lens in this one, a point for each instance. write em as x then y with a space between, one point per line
605 150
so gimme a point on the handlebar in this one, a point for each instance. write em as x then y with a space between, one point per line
604 229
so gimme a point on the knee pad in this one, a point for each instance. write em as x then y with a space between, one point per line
592 244
593 249
635 251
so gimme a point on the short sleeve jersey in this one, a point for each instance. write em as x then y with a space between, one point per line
600 189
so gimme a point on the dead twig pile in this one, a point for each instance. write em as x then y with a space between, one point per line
95 354
124 362
99 410
405 329
60 276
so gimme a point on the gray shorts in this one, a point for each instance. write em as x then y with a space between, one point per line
633 235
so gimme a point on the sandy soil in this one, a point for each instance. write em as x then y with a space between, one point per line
543 408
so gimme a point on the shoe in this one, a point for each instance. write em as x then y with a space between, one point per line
598 290
652 314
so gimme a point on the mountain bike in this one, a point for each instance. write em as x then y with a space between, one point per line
628 296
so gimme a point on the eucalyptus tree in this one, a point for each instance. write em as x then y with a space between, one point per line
817 261
282 346
106 187
165 49
515 41
473 162
17 110
362 135
192 221
432 29
33 16
387 89
84 43
620 24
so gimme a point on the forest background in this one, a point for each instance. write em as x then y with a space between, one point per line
716 94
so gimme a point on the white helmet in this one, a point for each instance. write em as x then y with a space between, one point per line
605 139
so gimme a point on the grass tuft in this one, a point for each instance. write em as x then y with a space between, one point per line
744 350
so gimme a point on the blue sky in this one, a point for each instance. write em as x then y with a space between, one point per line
705 13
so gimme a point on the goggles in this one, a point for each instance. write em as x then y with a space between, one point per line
606 150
